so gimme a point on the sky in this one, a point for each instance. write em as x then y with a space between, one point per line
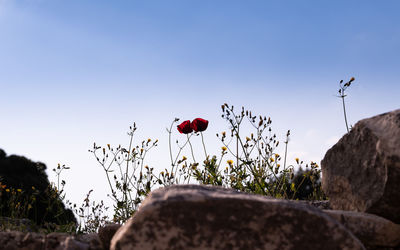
77 72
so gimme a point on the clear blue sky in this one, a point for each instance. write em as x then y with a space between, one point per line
78 71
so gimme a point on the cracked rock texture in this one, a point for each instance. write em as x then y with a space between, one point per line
209 217
362 171
373 231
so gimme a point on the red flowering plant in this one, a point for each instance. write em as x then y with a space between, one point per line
254 167
257 168
177 172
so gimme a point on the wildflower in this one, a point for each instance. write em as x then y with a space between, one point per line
184 158
184 127
199 124
297 160
19 190
223 148
271 159
278 165
247 138
7 190
230 162
276 155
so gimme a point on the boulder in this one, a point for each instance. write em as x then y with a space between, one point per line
21 241
15 240
106 233
209 217
362 171
373 231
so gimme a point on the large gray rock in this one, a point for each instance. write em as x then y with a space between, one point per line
362 171
208 217
373 231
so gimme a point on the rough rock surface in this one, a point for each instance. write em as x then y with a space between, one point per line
362 171
34 241
207 217
372 230
106 233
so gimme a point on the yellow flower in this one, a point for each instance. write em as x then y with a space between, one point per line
276 155
278 165
230 162
247 138
7 190
19 190
297 160
184 158
224 148
271 159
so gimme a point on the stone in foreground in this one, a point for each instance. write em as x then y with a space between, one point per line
15 240
207 217
362 171
373 231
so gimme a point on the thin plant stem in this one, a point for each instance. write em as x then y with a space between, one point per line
191 148
344 112
204 146
169 142
237 148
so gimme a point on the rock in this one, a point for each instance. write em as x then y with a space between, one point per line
321 204
93 240
106 233
60 241
209 217
21 241
371 230
362 171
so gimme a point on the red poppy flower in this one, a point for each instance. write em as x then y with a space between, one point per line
199 124
184 127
